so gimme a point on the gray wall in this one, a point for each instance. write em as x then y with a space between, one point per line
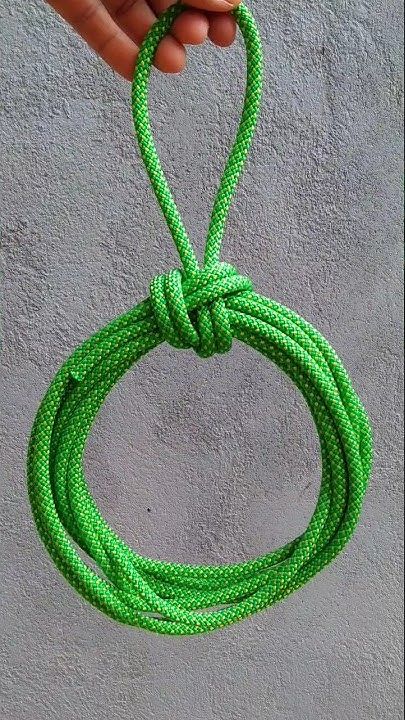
317 225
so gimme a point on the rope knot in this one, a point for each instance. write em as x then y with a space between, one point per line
191 310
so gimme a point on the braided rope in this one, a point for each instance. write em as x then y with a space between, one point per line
201 308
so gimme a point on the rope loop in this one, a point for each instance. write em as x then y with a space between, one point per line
190 311
239 151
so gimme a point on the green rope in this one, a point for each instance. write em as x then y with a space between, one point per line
201 308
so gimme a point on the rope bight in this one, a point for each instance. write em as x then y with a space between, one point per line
203 308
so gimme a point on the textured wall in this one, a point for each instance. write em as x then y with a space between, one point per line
317 224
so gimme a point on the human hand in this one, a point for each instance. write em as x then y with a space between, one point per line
115 28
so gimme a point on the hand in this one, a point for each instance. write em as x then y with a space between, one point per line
116 28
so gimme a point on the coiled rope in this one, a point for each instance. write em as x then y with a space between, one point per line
201 308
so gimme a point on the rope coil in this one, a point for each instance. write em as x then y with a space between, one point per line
204 309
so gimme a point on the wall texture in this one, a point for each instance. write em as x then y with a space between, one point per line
317 224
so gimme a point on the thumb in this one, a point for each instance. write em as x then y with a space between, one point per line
213 5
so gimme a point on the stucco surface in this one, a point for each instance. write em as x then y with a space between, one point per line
205 461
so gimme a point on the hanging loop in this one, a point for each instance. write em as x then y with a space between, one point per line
239 151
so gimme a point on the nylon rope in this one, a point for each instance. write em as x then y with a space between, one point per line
203 309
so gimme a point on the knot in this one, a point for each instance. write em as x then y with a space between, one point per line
190 310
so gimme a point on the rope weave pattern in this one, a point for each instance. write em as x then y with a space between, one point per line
204 309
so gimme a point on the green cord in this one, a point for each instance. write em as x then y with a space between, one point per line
202 309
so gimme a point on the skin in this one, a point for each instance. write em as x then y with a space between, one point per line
116 28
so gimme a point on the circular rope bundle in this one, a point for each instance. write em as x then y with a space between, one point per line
204 309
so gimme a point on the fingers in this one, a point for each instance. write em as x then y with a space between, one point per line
135 17
93 22
116 28
191 27
222 29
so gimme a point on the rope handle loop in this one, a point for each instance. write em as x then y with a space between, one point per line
239 151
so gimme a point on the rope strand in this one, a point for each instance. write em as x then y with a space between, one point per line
204 309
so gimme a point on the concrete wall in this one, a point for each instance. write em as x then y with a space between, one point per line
222 452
